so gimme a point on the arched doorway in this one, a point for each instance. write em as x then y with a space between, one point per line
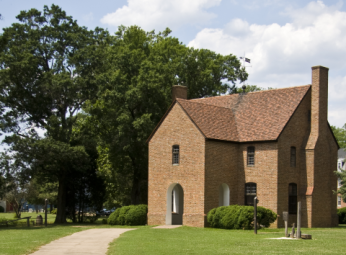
223 195
175 204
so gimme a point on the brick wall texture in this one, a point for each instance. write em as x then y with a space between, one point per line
205 164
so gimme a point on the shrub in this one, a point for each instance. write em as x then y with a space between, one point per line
136 215
113 218
265 216
129 215
239 217
54 211
2 209
342 215
104 221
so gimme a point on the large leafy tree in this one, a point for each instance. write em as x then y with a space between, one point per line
135 94
48 67
340 135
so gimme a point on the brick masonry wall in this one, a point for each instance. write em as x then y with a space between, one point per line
221 166
177 129
296 134
263 173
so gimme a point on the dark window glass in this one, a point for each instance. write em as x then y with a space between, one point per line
251 156
250 193
293 156
292 198
175 154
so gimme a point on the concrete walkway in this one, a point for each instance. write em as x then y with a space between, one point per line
91 241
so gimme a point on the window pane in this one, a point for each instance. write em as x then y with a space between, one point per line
175 154
251 156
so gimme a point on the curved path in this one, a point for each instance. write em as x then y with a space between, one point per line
91 241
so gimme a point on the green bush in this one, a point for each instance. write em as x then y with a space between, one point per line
265 216
239 217
129 215
104 221
113 218
2 209
342 215
54 211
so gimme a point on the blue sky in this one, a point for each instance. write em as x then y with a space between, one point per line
282 38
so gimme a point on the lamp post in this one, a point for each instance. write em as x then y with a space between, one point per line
45 211
255 214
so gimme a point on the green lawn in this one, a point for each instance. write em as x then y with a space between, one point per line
188 240
10 216
24 240
184 240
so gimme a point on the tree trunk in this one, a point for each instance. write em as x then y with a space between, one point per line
135 192
61 213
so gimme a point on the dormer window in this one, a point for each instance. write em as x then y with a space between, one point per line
293 157
175 154
251 156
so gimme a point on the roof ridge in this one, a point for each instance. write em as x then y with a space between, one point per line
260 91
267 90
189 100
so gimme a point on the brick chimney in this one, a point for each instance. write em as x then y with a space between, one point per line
319 111
179 91
319 104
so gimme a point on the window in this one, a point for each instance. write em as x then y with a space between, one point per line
293 157
251 156
292 198
250 193
175 155
339 200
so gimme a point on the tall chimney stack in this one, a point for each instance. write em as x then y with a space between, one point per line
179 91
319 100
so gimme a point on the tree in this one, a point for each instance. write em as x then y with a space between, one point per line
47 71
135 94
340 135
252 88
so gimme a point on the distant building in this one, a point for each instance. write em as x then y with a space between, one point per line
341 166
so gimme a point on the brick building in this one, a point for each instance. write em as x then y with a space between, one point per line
274 144
341 166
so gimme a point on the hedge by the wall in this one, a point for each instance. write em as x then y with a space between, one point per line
239 217
131 215
2 209
342 215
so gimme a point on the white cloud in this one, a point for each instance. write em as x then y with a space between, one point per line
282 55
159 14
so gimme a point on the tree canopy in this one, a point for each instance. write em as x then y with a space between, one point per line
136 92
96 97
47 68
340 135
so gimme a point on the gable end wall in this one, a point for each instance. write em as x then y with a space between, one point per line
176 129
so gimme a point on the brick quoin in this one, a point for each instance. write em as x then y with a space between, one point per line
206 163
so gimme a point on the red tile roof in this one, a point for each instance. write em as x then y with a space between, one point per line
254 116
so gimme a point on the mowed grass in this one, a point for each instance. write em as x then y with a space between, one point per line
188 240
24 240
10 216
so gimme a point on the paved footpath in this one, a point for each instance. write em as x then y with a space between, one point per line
91 241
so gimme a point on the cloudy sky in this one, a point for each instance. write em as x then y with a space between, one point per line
282 38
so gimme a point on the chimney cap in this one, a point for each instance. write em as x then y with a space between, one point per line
319 67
